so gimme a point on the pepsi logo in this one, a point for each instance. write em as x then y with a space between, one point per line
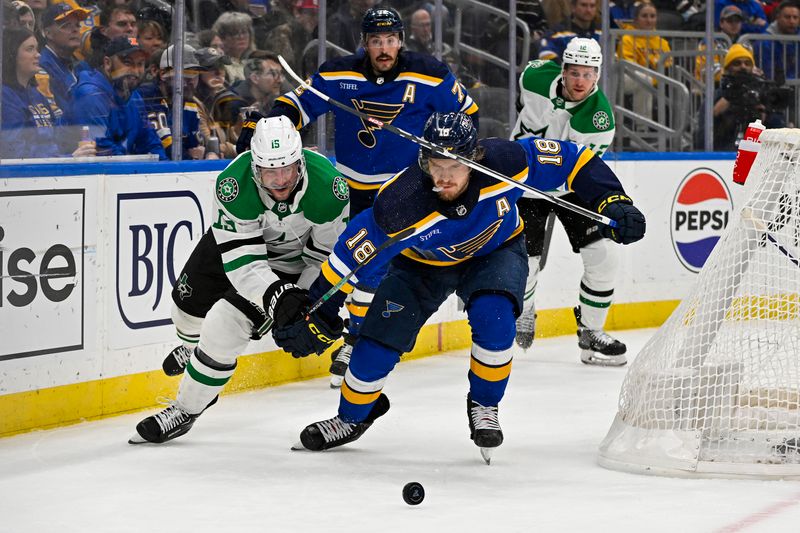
700 213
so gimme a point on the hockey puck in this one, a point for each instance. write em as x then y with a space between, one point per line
413 493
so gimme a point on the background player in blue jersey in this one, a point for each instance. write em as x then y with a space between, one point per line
466 238
392 84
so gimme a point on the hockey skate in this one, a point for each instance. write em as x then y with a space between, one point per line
340 360
334 432
169 424
598 347
175 363
526 327
484 428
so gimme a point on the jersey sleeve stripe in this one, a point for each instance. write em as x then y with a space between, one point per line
232 244
420 78
358 398
583 158
291 99
357 310
471 110
242 261
343 75
333 278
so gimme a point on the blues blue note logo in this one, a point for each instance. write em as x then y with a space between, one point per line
391 307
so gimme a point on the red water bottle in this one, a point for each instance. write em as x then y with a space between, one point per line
747 151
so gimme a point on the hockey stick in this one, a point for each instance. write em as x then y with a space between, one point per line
549 225
442 152
333 290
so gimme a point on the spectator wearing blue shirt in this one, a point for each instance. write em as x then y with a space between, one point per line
582 24
779 59
61 29
28 118
755 20
107 100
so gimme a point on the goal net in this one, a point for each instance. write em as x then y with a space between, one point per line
716 391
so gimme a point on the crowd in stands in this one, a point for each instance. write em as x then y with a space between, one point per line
104 66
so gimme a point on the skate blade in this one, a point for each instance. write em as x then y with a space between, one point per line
298 447
136 439
486 453
336 381
589 357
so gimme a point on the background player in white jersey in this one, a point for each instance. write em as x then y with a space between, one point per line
389 83
564 102
277 214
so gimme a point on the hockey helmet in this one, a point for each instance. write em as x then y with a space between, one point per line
276 144
583 51
454 132
381 20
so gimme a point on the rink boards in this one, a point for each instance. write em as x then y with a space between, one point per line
89 253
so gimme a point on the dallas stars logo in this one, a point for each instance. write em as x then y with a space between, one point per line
340 188
601 121
184 290
228 189
383 112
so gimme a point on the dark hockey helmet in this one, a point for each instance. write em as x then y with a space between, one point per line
454 132
381 20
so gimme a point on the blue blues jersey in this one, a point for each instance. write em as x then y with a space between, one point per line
418 86
477 222
29 128
159 114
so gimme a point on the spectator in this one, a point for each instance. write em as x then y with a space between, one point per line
262 84
27 116
557 12
159 12
10 15
118 21
621 12
421 36
107 100
581 24
61 31
755 20
38 7
741 98
644 51
779 58
290 39
532 13
730 23
209 39
344 26
221 106
152 36
158 104
25 13
236 32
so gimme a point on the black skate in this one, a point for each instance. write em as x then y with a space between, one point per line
526 328
484 427
175 363
598 347
169 424
335 431
340 360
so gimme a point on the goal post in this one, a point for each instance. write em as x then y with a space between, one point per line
716 391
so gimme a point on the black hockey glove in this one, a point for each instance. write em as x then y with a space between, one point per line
294 330
248 127
630 221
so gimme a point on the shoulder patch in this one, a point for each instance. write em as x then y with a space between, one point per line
601 120
228 189
340 188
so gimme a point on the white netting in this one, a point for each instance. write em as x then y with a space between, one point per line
716 391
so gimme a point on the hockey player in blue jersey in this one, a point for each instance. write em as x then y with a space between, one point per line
389 83
467 238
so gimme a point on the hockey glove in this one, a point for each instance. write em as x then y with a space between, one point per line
293 330
630 221
248 127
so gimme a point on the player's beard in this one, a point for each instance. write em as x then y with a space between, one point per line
384 57
450 194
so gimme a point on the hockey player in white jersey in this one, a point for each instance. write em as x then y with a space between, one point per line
278 211
565 103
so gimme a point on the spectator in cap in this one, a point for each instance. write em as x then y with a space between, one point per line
730 23
754 18
221 105
290 38
108 101
25 13
158 103
263 81
61 31
27 117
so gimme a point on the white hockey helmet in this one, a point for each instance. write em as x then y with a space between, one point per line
276 144
583 51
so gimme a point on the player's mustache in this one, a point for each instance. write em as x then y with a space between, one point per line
384 56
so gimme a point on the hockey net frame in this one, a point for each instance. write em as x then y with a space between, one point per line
716 391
